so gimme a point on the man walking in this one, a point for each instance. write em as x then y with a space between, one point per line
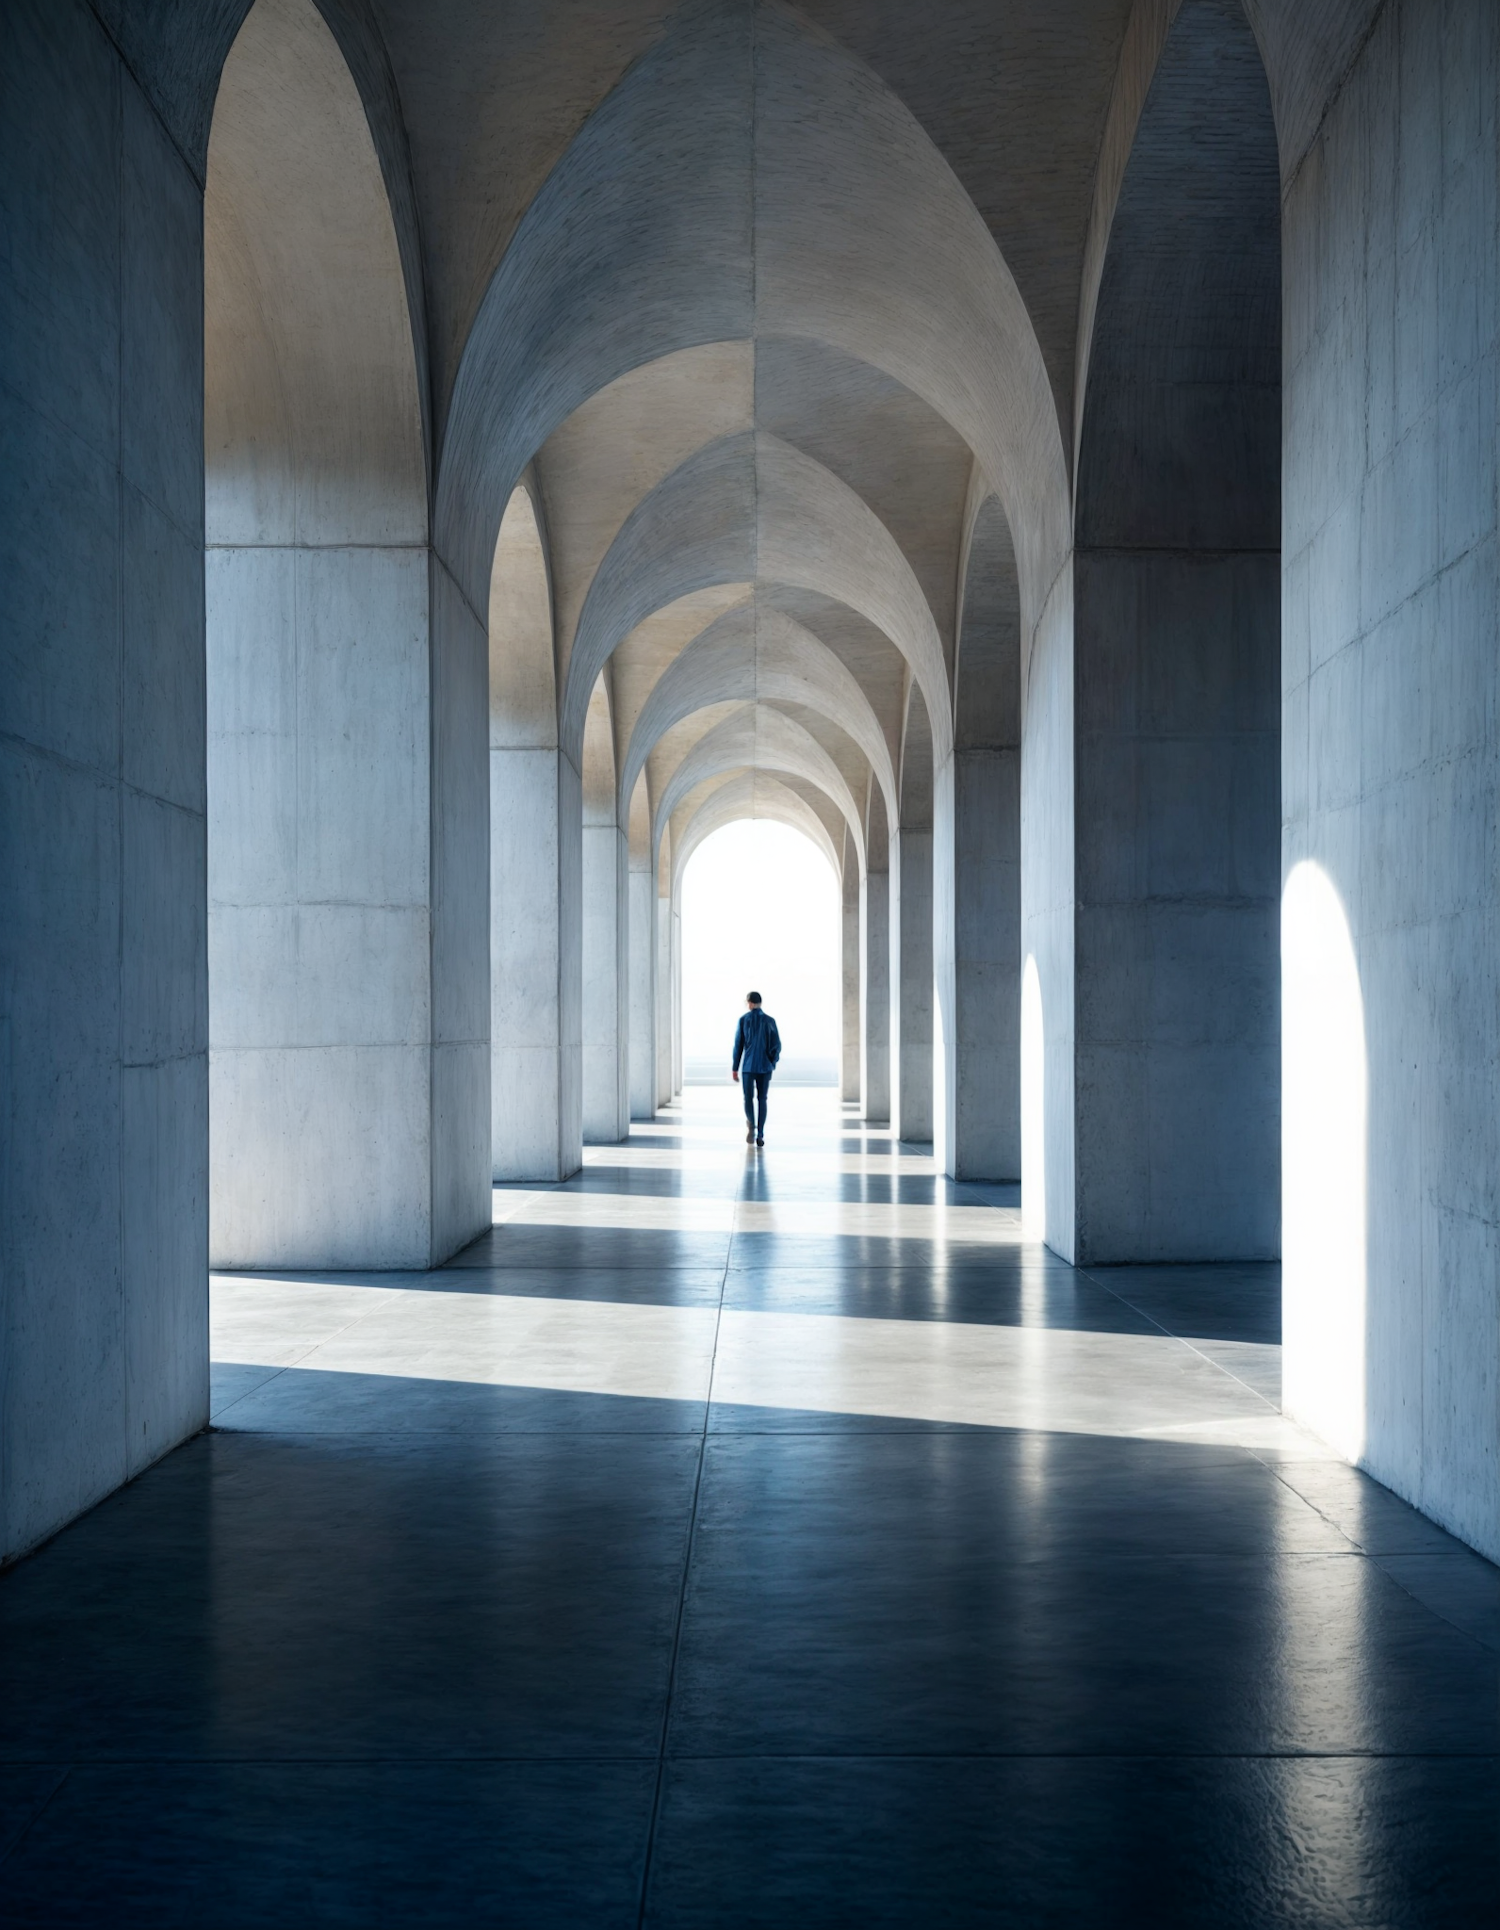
757 1047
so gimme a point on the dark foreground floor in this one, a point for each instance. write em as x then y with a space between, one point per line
791 1547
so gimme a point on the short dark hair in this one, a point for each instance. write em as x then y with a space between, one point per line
752 998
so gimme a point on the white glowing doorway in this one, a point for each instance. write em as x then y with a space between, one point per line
761 912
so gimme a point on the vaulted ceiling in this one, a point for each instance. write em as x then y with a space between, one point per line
771 308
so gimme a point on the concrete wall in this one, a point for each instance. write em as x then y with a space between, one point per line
1391 729
103 951
1175 651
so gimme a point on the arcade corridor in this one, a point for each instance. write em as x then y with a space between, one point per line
771 1540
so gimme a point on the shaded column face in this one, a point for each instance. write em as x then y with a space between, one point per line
911 924
1176 640
982 1057
642 942
875 969
874 996
347 994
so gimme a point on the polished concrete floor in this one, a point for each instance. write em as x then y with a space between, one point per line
751 1539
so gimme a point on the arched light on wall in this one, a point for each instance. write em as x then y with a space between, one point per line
1325 1113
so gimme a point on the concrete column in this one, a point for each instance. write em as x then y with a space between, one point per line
458 831
1391 739
1047 921
348 945
665 968
912 980
944 968
850 954
606 1108
103 956
986 1062
874 991
1178 1072
642 1015
536 975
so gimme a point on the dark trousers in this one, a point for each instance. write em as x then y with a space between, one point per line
755 1086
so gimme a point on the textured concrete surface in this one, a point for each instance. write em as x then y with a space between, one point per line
850 1023
103 943
875 970
806 1547
979 1055
762 308
536 903
1388 778
1175 651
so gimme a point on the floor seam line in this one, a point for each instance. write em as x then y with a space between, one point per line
687 1565
42 1808
1275 1406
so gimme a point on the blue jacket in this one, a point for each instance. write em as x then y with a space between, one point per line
757 1042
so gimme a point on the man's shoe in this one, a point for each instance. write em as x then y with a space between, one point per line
760 1142
750 1136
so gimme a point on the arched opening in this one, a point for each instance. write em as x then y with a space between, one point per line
761 909
318 677
1177 676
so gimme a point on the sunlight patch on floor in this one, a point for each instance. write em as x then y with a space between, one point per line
1137 1385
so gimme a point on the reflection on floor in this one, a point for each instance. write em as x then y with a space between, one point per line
736 1538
